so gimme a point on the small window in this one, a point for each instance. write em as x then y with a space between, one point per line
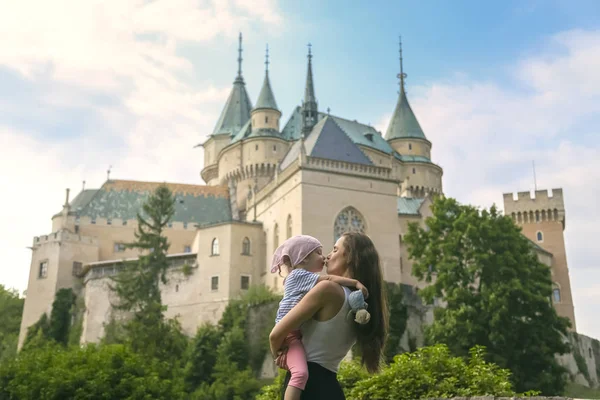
537 216
43 272
246 247
124 222
414 170
214 251
556 295
245 282
77 220
176 288
170 225
256 147
410 146
266 120
76 228
93 221
119 247
187 249
77 268
214 283
540 237
274 147
185 225
109 221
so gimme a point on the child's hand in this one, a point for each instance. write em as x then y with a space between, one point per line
363 289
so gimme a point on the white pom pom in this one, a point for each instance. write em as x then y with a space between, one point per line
362 317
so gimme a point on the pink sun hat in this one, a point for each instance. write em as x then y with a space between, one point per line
297 248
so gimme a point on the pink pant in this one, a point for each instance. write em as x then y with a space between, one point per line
296 360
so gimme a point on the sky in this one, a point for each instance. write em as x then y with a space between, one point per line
134 85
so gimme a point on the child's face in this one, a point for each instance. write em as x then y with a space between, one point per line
314 261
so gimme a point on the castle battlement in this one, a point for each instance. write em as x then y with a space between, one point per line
64 236
539 206
369 171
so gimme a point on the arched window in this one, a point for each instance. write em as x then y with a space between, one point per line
539 236
556 295
289 227
348 220
275 237
215 247
246 247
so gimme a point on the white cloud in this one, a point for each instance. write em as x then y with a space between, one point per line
114 70
486 134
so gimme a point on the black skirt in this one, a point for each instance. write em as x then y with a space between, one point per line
322 384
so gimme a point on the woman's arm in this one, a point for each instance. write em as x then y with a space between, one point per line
310 304
347 282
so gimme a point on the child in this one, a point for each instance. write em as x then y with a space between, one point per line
303 257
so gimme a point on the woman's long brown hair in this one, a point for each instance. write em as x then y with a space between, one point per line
363 264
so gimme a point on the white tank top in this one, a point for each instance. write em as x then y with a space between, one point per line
328 342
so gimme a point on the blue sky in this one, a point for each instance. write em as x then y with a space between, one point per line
136 84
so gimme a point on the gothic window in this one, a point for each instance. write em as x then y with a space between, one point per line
275 237
348 220
215 247
246 247
540 236
289 227
556 295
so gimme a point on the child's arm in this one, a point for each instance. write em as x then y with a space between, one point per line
340 280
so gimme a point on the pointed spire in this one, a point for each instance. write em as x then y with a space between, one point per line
310 108
404 123
266 98
239 75
237 108
402 75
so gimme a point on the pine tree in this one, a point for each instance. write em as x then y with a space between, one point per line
496 290
138 284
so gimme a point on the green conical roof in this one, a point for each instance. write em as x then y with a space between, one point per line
266 98
404 124
237 108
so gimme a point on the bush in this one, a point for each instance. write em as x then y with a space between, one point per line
431 372
91 372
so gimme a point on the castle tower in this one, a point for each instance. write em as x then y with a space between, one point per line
235 114
265 114
310 108
258 148
542 219
406 137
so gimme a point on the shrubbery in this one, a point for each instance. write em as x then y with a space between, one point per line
430 372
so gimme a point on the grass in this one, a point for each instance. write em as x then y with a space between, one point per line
581 392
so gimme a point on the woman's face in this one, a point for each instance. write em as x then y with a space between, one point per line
336 260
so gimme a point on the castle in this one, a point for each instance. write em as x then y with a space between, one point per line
317 174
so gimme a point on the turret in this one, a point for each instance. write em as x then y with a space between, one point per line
420 175
542 220
235 114
310 109
266 115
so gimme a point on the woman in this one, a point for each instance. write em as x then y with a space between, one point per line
327 333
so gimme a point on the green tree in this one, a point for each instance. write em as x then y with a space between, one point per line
398 319
496 290
60 317
432 372
138 284
11 309
202 356
91 372
38 334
